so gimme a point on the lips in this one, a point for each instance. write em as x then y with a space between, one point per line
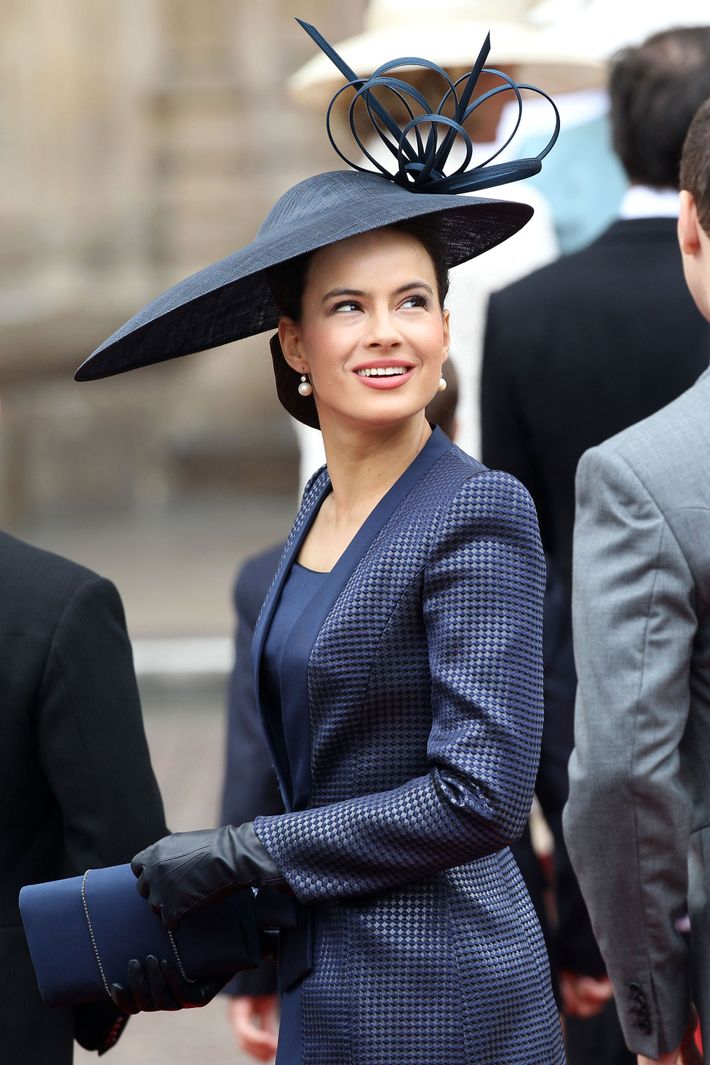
384 373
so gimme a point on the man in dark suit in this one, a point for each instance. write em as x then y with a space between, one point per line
76 785
574 353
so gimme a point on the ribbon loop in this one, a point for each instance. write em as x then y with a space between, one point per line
421 158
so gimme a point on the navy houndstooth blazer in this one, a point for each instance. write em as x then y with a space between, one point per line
421 683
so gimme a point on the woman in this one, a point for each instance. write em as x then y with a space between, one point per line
397 655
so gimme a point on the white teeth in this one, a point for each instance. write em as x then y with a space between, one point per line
383 371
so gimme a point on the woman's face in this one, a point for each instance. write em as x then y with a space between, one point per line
372 335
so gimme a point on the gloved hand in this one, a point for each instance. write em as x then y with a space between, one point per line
188 869
157 985
98 1025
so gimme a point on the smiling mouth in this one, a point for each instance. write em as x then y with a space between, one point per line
383 371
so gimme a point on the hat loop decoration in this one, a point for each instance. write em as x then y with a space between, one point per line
420 161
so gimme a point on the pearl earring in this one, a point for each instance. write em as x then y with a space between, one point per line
441 387
305 388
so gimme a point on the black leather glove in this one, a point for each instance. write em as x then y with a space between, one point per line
157 985
188 869
98 1025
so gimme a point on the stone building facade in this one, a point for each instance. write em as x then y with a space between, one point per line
142 140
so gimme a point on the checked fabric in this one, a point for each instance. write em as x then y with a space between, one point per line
425 702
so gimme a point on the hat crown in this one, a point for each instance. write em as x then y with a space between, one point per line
318 194
389 14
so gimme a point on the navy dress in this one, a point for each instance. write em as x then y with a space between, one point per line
293 738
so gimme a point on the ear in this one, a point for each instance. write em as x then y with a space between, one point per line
688 225
446 316
291 345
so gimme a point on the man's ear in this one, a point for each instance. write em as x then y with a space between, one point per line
290 340
688 224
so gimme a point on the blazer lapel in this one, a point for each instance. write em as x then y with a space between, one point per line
306 633
344 568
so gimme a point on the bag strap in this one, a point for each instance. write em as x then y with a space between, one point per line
94 944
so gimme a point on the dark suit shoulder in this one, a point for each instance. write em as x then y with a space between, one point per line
36 586
254 577
623 242
671 446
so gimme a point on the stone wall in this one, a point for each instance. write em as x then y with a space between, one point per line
142 140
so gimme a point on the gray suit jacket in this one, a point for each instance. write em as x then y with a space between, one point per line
638 818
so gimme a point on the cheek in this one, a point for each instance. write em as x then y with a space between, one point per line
324 347
436 344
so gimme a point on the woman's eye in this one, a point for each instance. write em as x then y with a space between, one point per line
345 305
417 300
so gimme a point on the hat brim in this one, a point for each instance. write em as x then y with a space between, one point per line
231 299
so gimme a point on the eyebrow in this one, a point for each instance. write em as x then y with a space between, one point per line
334 292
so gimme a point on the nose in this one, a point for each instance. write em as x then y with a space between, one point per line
383 332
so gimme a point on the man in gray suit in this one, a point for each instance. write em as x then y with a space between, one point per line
637 819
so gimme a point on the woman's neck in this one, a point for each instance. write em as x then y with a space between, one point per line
363 466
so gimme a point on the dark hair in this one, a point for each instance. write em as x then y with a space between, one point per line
695 164
441 410
655 90
287 281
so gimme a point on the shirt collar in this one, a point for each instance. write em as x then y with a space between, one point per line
641 201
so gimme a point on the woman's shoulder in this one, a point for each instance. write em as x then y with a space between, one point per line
471 493
468 478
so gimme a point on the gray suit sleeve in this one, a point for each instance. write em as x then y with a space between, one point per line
627 822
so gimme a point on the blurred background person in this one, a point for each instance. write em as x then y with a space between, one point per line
636 821
77 789
574 353
250 787
584 180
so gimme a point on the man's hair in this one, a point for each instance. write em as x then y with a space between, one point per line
695 164
655 90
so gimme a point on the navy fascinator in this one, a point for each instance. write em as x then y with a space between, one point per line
421 163
231 299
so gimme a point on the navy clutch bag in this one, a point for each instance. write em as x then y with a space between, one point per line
83 931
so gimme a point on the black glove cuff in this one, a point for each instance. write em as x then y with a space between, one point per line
253 859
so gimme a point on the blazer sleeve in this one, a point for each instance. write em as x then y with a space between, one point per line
91 740
482 599
627 821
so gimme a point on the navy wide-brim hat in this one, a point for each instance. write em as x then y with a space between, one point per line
231 299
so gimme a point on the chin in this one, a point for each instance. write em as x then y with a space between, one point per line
392 417
384 412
